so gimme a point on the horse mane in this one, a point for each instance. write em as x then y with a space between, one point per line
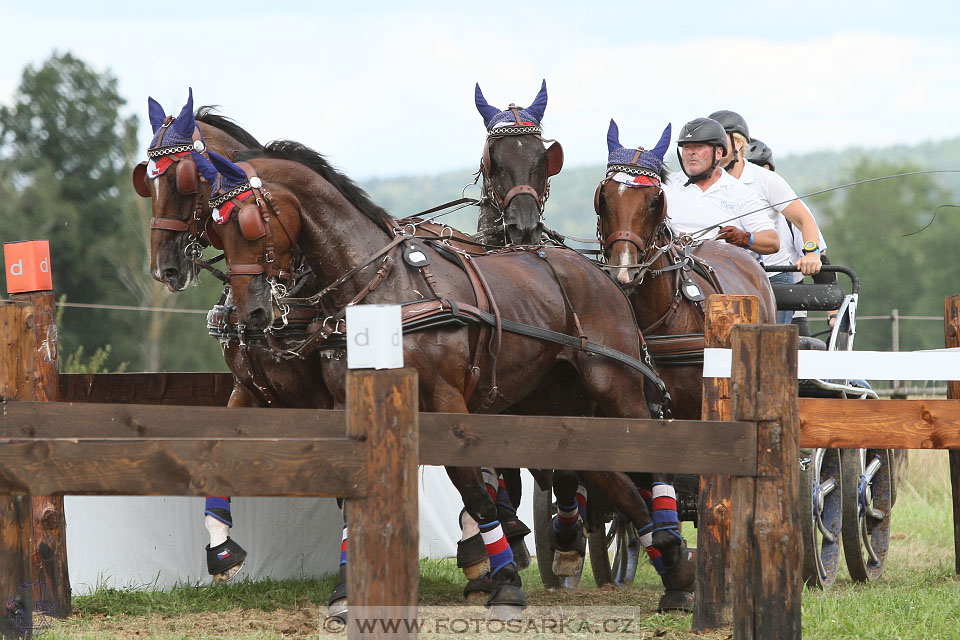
207 115
300 153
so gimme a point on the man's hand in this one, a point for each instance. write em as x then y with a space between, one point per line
735 235
809 264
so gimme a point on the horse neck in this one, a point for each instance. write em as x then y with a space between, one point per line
219 141
335 237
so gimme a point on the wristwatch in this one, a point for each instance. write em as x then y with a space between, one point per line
810 247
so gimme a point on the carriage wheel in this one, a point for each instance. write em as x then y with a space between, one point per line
821 509
620 536
867 499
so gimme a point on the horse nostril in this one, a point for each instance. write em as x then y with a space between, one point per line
258 318
171 274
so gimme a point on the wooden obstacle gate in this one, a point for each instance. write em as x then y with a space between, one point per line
370 451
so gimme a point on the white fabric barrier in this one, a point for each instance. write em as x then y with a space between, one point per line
138 542
935 364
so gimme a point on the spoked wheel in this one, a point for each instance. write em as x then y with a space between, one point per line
620 537
543 512
821 511
867 500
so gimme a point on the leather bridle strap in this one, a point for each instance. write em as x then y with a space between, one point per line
169 224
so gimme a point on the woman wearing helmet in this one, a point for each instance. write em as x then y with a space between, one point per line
780 202
760 154
705 198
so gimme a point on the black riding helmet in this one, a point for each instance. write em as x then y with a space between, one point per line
732 123
760 154
705 131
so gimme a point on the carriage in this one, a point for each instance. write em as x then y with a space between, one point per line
846 494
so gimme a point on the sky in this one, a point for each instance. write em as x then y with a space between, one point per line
386 88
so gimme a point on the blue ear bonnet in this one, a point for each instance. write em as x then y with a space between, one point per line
648 159
530 116
180 131
231 176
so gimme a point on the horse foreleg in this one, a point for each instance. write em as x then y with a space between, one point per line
567 540
225 557
509 491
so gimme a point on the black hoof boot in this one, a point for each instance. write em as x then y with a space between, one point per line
568 547
225 560
506 600
678 583
514 530
472 557
337 605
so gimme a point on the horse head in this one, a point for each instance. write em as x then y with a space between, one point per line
257 230
517 165
177 191
630 204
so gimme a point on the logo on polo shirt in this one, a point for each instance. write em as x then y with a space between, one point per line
729 206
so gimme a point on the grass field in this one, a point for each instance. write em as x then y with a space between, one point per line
918 597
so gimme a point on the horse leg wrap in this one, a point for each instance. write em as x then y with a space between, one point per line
218 507
337 605
678 582
665 519
225 560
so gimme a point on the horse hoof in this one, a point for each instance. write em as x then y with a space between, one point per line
521 555
506 611
674 600
507 592
477 597
478 590
338 610
226 576
477 571
567 563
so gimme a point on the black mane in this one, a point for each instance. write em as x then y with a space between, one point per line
296 152
206 114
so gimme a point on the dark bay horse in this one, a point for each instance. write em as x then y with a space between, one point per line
516 167
180 205
641 252
303 206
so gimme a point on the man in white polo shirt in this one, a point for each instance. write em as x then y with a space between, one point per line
782 204
706 202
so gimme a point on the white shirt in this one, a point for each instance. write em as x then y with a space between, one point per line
776 194
690 209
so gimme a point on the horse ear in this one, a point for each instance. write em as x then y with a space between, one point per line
486 110
231 173
539 104
206 168
613 137
184 124
661 149
155 113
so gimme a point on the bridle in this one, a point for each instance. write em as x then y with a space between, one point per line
254 220
648 251
179 158
554 164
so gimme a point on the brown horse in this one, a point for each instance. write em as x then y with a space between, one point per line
657 268
180 204
303 206
516 167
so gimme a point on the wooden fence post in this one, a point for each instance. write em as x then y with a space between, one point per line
49 546
16 355
766 551
951 321
713 596
383 549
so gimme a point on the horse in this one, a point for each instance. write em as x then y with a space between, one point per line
288 200
515 158
180 204
667 277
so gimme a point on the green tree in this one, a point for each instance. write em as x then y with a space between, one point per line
65 157
867 230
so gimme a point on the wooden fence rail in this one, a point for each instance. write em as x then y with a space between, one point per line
112 424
